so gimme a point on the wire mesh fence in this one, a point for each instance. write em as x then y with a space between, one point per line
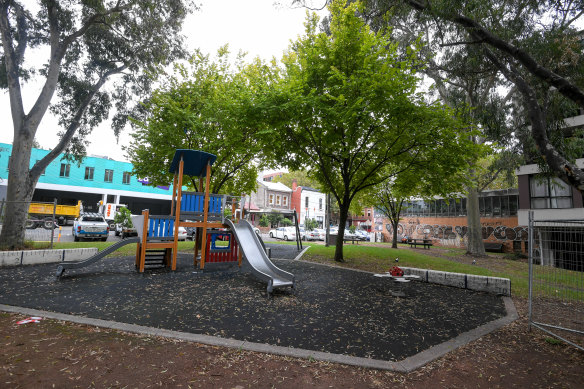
556 278
42 219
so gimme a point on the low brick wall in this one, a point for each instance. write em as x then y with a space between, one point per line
34 257
466 281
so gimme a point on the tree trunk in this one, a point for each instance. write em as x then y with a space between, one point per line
394 225
18 196
474 235
343 215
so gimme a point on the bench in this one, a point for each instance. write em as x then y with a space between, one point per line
426 243
353 240
493 247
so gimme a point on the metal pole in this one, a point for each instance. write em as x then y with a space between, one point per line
530 255
53 222
327 220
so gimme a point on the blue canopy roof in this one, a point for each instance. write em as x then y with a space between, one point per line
195 162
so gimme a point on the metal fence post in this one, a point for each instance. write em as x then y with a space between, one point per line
53 222
530 261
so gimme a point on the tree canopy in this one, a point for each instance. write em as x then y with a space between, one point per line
90 44
204 105
348 107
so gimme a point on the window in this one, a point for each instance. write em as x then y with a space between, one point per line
126 178
549 193
285 201
65 169
271 199
277 199
320 204
89 173
306 202
109 175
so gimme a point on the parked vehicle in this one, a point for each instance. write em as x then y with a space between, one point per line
109 212
90 226
41 215
124 231
363 235
286 233
312 235
182 233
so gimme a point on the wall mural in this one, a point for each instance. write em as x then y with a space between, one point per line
457 233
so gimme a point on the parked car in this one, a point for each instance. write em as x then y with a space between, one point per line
125 231
286 233
302 233
312 235
182 233
90 226
363 235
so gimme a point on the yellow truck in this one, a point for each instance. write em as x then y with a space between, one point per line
41 214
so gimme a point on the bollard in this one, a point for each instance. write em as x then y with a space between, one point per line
59 236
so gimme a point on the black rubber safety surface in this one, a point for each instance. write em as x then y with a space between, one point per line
332 310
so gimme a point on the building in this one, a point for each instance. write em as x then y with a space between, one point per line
269 197
310 203
95 179
271 176
445 220
558 210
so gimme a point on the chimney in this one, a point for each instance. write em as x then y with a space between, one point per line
294 184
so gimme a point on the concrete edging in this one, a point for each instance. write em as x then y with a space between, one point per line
460 280
35 257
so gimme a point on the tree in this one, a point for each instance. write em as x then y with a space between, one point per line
203 105
310 224
348 105
90 43
302 179
536 46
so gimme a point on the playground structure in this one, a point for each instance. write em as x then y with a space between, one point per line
157 241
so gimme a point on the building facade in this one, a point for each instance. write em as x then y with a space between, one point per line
445 220
269 197
309 203
95 179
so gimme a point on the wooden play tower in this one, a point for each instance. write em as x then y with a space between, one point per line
201 210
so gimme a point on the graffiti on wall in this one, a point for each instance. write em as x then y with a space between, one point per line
446 232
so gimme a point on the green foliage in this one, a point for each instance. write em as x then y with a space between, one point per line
275 219
286 222
205 105
264 221
348 103
302 178
123 217
352 229
310 224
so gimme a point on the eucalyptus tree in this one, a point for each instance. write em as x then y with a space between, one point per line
206 105
348 108
97 51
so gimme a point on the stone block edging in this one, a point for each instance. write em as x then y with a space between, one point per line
35 257
465 281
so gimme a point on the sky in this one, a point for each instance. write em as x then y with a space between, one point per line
259 27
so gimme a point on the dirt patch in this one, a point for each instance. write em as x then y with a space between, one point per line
70 355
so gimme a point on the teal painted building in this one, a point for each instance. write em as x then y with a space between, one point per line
96 179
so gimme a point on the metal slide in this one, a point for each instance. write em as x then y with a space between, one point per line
256 256
102 254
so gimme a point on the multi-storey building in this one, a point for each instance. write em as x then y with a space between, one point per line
95 179
310 203
269 197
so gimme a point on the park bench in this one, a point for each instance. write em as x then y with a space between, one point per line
493 247
426 243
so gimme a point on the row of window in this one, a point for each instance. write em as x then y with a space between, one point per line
501 205
279 200
90 171
319 203
548 193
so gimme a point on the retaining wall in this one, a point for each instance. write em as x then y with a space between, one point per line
466 281
34 257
